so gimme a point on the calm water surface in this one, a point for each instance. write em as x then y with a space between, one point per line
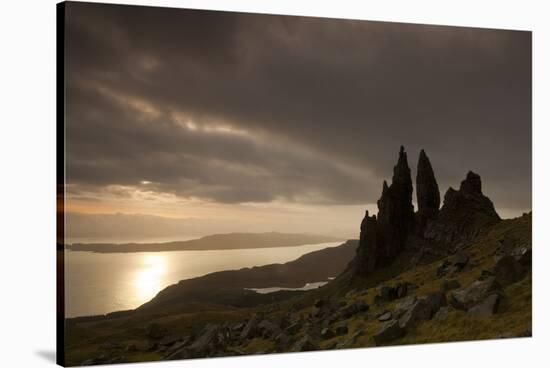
102 283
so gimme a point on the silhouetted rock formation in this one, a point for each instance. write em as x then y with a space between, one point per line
384 237
427 191
465 212
368 242
395 210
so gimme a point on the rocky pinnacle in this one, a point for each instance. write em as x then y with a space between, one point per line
427 190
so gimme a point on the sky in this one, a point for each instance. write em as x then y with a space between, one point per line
188 122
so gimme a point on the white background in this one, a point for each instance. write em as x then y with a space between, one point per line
27 181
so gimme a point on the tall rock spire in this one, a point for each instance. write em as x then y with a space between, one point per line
427 190
395 210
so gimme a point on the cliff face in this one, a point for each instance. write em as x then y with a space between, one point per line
463 215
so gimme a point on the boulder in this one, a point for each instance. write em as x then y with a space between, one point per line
404 306
442 313
305 344
208 341
421 310
474 293
525 259
460 260
485 274
282 339
402 289
508 270
385 294
448 285
294 328
268 329
319 303
251 328
389 331
354 308
341 329
327 333
487 307
352 341
386 316
436 300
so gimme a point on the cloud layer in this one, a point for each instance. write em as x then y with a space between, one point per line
236 108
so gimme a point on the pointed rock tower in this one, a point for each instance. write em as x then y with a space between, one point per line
427 191
383 238
395 209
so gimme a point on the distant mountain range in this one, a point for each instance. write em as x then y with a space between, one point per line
210 242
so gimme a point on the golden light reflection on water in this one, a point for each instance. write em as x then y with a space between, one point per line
148 278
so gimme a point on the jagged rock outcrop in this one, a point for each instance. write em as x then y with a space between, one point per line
465 212
427 191
383 237
395 211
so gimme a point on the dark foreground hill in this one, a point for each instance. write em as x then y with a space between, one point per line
210 242
230 287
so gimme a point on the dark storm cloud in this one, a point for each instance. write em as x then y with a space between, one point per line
242 107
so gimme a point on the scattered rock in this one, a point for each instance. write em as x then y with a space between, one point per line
388 332
474 293
385 294
305 344
448 285
487 307
507 270
421 310
402 289
327 333
209 341
354 308
442 313
351 341
268 329
385 317
294 328
460 260
485 274
341 329
282 339
436 300
251 327
525 259
404 306
319 303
